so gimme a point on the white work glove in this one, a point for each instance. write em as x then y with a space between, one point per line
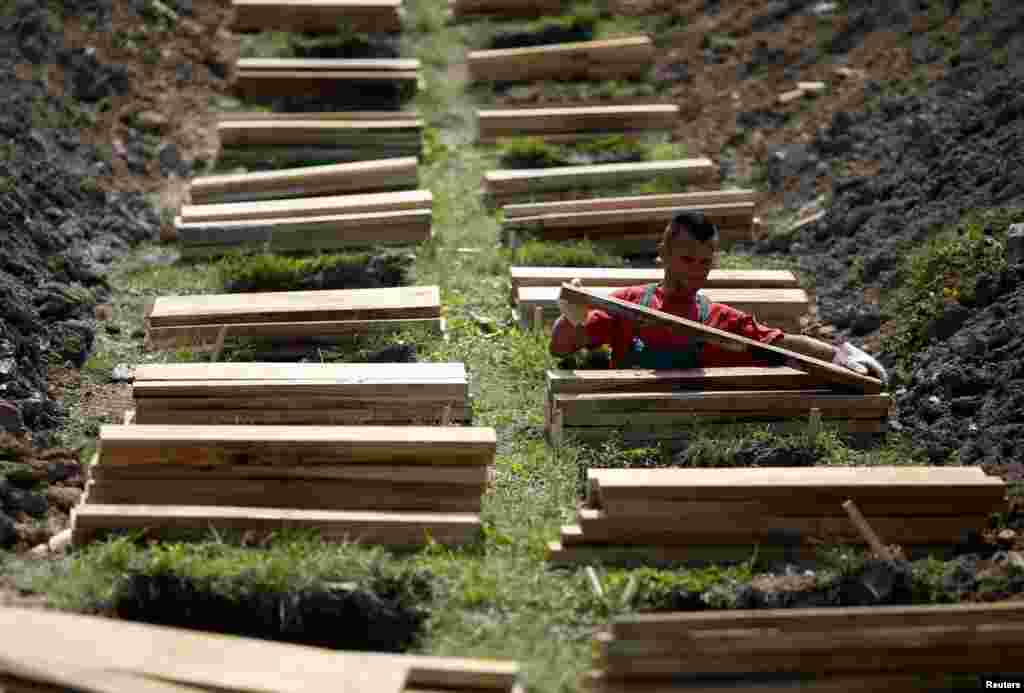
575 313
858 361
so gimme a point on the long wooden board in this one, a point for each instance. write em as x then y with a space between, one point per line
368 527
317 16
322 133
623 57
233 663
827 372
334 179
365 203
328 64
313 414
599 204
44 674
505 181
436 474
292 306
256 84
540 121
647 380
634 276
404 115
720 214
372 374
308 445
203 337
602 408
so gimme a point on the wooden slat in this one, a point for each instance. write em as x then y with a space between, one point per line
630 276
817 368
598 204
308 207
641 380
227 445
622 57
595 221
201 338
406 115
336 373
328 64
299 494
328 414
504 181
334 304
387 528
472 475
540 121
232 663
255 84
334 179
48 673
317 16
324 133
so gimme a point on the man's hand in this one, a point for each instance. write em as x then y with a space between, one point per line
858 361
575 313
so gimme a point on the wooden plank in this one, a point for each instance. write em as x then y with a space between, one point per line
504 181
598 204
621 57
602 408
317 16
330 414
675 430
324 133
332 304
387 528
361 176
641 237
256 84
532 121
201 337
308 207
336 373
634 276
49 673
721 214
827 372
728 527
327 64
309 445
229 662
645 380
471 475
404 115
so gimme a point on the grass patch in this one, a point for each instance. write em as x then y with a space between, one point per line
272 272
566 254
944 273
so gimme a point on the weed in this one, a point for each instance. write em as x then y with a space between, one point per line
569 254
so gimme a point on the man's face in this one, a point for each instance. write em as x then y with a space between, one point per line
689 261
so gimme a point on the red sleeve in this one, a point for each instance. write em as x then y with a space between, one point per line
603 328
724 317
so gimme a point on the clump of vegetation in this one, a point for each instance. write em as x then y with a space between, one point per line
576 25
534 152
531 152
944 272
568 254
271 272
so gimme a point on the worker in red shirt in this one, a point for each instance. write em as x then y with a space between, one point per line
687 251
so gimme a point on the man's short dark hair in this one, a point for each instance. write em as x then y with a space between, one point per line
695 225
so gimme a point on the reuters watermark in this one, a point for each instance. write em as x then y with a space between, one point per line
1004 685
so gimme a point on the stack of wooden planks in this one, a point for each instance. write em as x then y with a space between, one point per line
203 322
308 181
504 185
49 651
833 650
618 58
504 8
391 485
572 123
271 78
633 222
690 514
317 16
301 393
643 405
266 140
308 223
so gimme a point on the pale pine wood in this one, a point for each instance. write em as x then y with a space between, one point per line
505 181
598 204
226 445
404 116
817 368
323 133
308 207
255 84
622 57
328 64
464 475
310 413
46 673
646 380
317 16
235 663
545 121
628 276
343 373
721 214
395 529
306 181
334 304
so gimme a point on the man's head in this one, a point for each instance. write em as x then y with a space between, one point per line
688 249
